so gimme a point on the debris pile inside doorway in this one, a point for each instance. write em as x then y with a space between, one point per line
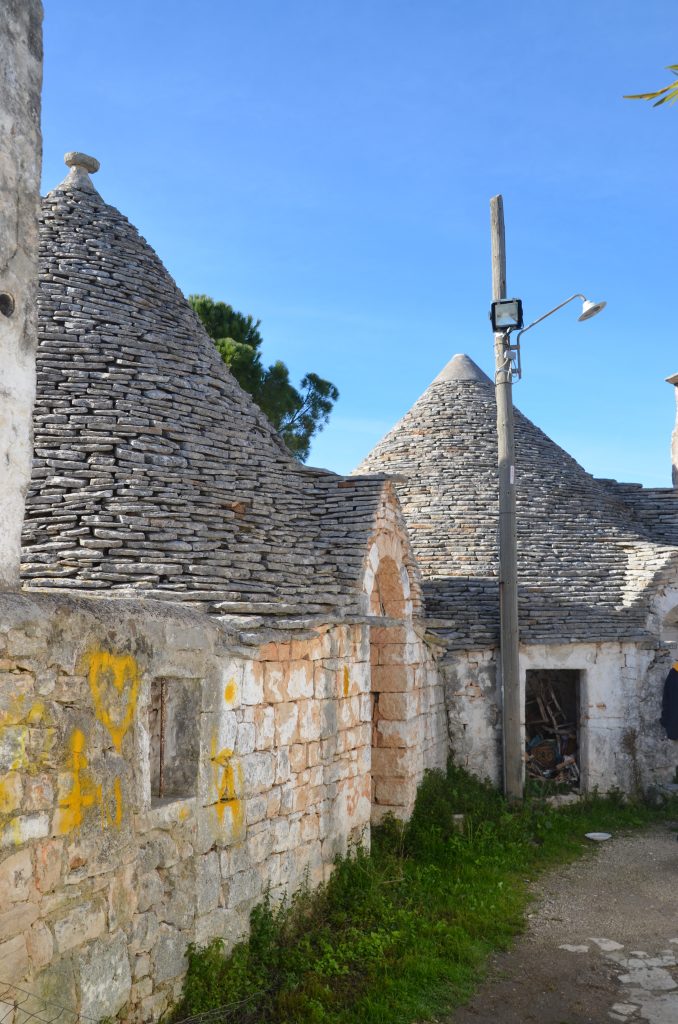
551 745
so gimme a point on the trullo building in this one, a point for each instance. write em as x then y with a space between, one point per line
598 587
216 669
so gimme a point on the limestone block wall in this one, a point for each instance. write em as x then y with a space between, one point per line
159 770
409 722
409 727
622 745
20 156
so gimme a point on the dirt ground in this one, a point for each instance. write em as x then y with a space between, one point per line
601 944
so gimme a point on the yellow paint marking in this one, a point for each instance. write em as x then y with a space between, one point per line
347 681
114 707
83 792
117 789
228 782
231 691
27 732
27 727
10 793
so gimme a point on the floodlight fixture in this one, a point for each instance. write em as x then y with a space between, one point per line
506 315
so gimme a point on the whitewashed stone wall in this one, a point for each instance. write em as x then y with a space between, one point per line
20 156
102 883
474 712
673 379
622 745
613 685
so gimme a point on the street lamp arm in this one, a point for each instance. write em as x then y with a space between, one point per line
555 309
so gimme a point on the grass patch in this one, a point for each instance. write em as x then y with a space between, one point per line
402 934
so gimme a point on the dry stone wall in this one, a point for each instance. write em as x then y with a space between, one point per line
159 769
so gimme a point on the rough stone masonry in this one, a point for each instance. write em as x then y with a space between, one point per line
20 157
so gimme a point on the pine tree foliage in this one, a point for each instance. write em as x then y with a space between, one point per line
669 94
296 413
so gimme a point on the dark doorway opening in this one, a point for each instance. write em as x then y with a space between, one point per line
552 726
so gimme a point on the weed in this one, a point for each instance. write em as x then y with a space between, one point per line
403 933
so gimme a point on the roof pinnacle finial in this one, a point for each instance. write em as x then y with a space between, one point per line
83 161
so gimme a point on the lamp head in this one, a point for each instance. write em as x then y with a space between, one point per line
590 309
506 315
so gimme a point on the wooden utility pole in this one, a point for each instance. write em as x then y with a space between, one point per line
508 555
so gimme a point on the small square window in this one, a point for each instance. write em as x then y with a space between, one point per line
174 716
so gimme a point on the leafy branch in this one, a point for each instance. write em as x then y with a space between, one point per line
669 94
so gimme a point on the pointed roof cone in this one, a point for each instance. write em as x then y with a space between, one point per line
153 468
462 367
573 532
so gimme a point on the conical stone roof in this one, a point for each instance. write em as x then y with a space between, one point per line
152 467
578 541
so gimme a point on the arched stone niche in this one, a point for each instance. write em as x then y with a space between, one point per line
388 591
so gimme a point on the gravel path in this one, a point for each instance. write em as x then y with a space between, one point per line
601 943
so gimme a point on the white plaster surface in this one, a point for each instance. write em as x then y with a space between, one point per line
622 745
474 712
20 156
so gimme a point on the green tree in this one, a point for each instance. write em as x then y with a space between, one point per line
669 94
297 414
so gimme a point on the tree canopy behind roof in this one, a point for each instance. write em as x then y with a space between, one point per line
296 413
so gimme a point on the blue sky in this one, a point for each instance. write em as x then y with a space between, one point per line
327 166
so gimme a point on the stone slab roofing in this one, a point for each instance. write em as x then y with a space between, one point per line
153 469
655 507
587 561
